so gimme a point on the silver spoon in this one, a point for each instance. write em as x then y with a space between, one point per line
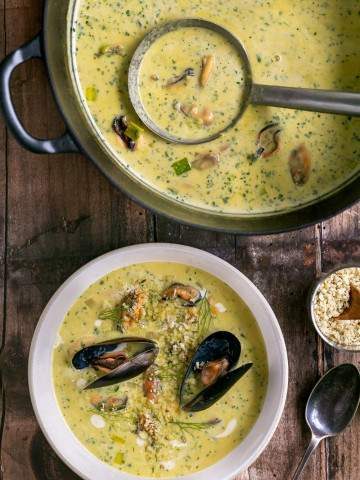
326 101
331 406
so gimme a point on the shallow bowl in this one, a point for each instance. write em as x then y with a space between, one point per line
44 402
310 306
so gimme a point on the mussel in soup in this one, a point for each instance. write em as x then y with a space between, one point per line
211 372
188 294
116 360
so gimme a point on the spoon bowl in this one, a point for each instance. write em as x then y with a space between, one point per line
331 406
333 401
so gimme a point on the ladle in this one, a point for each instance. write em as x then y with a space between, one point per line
326 101
331 406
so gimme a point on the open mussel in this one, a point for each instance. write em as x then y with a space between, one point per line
211 372
117 360
188 294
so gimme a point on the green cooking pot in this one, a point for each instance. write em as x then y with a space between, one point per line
53 44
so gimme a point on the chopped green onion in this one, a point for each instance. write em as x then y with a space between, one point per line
117 439
119 458
91 94
181 166
109 50
133 131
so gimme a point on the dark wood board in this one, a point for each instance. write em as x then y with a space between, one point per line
58 212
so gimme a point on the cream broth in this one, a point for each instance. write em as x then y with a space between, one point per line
195 107
303 44
183 442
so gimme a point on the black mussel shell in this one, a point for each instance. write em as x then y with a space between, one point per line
211 394
144 352
216 346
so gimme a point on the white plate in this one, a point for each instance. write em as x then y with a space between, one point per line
51 421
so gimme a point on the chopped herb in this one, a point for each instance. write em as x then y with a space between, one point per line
186 426
133 131
119 458
109 50
91 94
181 166
205 317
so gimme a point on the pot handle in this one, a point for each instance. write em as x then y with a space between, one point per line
63 144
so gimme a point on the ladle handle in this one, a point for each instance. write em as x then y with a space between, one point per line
311 447
326 101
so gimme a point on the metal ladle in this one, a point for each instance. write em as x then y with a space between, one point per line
331 406
326 101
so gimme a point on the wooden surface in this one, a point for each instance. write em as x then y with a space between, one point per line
58 212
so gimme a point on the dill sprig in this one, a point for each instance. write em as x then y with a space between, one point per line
112 314
199 426
205 317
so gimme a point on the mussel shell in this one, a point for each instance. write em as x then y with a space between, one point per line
87 355
131 368
216 346
136 364
211 394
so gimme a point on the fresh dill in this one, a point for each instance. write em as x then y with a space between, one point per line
113 314
205 317
199 426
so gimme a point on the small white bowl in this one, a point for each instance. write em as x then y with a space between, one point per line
311 308
48 414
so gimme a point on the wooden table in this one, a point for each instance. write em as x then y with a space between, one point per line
58 212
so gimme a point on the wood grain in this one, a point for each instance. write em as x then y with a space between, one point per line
3 173
58 212
341 245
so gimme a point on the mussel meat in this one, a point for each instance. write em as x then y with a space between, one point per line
211 372
190 295
300 165
268 140
119 359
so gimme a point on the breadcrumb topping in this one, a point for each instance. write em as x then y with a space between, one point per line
331 299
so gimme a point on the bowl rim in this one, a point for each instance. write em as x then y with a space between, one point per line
310 305
48 414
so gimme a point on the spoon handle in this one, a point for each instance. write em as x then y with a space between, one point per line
326 101
314 442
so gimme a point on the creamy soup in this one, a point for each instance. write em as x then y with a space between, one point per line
192 82
137 425
300 157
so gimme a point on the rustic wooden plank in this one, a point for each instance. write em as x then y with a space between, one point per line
25 452
2 233
341 245
61 213
2 182
221 244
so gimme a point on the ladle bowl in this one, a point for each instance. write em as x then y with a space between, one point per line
325 101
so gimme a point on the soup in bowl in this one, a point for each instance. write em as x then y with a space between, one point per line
207 362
